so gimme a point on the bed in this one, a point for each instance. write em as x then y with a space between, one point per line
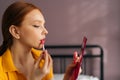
63 55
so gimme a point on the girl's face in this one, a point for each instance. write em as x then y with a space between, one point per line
32 29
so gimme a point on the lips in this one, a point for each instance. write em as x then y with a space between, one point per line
42 41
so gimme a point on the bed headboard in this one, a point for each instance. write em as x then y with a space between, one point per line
61 53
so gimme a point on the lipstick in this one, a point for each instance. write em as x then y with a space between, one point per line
43 42
43 47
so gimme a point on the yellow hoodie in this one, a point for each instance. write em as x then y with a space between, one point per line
8 71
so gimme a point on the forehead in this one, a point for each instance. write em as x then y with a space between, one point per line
34 16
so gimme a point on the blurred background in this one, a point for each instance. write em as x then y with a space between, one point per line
69 20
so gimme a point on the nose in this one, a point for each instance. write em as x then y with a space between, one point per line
45 31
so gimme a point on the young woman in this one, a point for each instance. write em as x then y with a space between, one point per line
24 34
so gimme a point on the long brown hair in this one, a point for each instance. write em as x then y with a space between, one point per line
13 15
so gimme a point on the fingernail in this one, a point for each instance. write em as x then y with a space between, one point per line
75 54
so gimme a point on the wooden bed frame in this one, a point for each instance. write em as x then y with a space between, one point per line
63 56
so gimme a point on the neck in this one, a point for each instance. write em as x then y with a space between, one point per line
21 55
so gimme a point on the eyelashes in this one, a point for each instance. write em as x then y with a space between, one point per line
36 26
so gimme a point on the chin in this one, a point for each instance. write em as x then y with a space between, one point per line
38 47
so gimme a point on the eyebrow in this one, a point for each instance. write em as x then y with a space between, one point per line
39 21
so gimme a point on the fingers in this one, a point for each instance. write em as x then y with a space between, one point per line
36 65
48 59
74 68
45 58
47 62
76 57
44 61
80 70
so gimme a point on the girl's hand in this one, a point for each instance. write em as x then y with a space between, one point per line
38 72
69 72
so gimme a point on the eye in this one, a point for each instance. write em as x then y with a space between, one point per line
36 26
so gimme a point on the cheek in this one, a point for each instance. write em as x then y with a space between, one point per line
31 35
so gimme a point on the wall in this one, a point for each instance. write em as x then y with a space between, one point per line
69 20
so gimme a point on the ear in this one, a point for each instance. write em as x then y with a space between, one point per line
14 31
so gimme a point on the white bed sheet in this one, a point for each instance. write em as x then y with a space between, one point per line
81 77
